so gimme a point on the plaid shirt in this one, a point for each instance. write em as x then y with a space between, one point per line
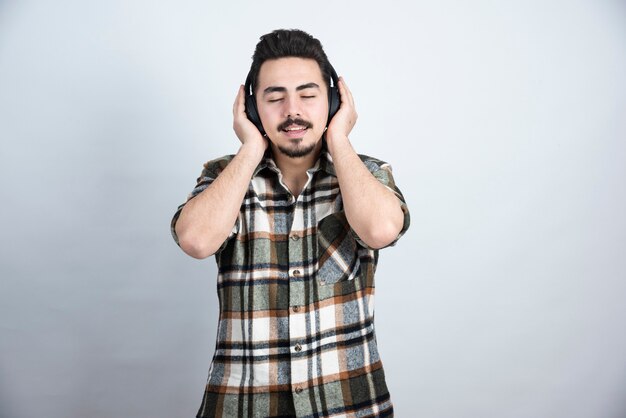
296 291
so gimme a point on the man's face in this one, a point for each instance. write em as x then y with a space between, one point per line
292 101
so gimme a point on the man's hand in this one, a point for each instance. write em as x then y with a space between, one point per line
207 220
247 133
373 211
344 120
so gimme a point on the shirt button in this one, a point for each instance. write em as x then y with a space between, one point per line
295 237
298 347
295 273
296 309
298 389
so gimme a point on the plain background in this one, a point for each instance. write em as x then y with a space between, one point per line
505 123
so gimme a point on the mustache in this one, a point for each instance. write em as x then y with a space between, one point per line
296 121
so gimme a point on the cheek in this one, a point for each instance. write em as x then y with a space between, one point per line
267 117
321 113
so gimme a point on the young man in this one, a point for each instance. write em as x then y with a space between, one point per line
295 220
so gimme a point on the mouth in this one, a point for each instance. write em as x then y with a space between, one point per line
295 131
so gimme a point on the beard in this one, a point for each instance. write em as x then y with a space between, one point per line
297 151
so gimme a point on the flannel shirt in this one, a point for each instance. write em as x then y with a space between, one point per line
296 302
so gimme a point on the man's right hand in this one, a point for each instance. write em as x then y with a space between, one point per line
206 221
247 133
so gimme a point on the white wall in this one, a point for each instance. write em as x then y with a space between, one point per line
504 122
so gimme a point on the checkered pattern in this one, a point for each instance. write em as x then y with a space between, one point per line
296 290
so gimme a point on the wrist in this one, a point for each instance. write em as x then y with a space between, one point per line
253 150
335 141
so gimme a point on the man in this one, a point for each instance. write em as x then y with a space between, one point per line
295 220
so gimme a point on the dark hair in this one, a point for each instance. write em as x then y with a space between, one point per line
288 43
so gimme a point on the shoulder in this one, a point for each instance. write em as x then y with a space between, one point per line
374 164
214 167
380 169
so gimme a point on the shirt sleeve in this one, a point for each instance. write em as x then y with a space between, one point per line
383 173
211 170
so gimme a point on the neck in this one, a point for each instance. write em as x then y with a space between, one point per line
294 169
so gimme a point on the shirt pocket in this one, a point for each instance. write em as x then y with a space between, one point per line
338 259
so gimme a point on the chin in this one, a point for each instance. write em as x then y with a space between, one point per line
298 151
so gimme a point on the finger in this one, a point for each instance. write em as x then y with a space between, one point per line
239 105
350 96
236 102
345 91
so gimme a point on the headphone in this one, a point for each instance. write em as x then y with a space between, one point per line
253 114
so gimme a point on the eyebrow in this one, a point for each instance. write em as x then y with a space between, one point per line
274 89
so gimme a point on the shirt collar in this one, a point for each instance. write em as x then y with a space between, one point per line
324 162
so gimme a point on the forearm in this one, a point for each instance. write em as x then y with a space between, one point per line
373 211
207 219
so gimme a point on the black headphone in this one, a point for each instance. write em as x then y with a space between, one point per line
253 114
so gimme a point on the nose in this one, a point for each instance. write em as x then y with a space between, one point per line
292 107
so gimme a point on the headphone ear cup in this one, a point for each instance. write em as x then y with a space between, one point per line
253 114
333 102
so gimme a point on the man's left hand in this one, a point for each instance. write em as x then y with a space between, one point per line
344 120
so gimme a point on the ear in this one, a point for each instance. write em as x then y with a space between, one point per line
253 114
334 99
251 109
333 102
